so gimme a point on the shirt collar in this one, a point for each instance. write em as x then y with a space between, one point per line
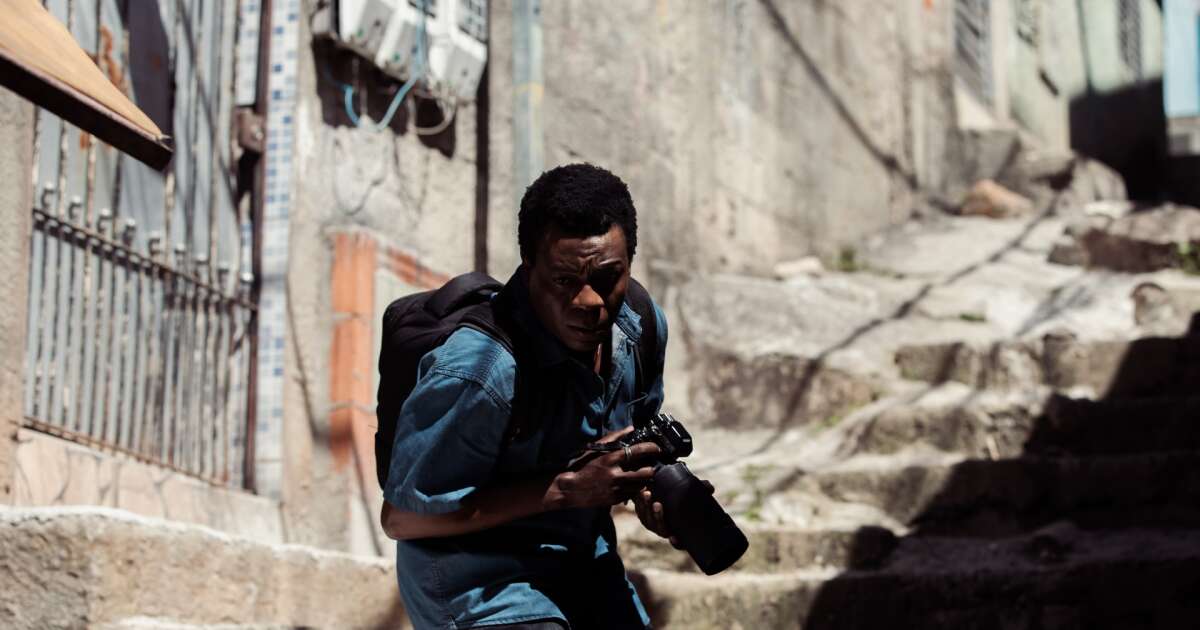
548 350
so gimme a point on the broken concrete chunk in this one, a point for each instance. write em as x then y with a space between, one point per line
1162 238
989 199
809 265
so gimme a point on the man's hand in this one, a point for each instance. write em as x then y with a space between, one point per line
650 513
607 479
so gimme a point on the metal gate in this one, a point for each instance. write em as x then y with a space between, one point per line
141 314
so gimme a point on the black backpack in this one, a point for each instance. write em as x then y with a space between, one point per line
415 324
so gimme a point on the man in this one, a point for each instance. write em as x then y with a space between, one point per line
502 532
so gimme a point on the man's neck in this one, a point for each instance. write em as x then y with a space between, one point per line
598 359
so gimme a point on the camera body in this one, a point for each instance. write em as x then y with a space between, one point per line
665 431
692 515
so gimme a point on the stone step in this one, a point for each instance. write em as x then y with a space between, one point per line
1129 425
1008 424
773 549
1001 497
978 497
1058 578
1151 366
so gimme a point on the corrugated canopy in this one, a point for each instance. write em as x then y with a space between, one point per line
42 62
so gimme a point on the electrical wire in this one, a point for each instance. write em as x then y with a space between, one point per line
448 114
420 63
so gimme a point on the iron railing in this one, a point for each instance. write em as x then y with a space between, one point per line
142 316
132 353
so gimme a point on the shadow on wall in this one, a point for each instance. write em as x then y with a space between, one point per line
1094 523
1127 130
373 95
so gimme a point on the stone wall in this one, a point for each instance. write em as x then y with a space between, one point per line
16 199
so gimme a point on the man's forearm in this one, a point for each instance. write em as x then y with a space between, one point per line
484 509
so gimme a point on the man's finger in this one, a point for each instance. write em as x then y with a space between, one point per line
641 512
615 435
639 476
643 450
622 495
660 520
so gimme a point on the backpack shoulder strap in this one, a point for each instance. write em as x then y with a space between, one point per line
460 291
638 299
482 317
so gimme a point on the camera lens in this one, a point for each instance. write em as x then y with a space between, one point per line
695 518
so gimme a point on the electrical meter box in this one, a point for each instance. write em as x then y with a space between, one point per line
458 67
362 24
387 33
397 56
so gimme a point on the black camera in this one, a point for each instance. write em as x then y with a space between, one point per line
692 515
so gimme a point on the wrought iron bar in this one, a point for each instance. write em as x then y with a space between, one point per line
134 355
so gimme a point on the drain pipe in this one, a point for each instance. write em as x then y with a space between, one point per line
528 135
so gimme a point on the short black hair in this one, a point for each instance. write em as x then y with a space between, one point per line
580 200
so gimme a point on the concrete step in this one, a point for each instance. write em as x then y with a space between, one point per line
952 418
773 549
1058 578
939 492
1117 426
1001 497
1150 366
996 424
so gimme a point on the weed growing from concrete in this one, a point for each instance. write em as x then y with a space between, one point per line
1189 257
847 260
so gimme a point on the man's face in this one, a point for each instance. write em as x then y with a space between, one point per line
577 284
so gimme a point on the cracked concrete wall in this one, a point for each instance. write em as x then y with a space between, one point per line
750 131
16 199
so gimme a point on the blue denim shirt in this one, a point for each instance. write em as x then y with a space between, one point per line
450 442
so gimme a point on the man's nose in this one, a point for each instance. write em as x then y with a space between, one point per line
588 298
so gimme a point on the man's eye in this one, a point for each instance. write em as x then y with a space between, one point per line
563 282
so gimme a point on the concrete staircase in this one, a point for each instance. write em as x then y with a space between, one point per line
1035 465
1094 524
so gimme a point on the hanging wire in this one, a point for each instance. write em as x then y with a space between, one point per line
448 113
419 67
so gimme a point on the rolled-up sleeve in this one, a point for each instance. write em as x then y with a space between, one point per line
448 438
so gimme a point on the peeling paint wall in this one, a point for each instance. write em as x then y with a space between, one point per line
16 199
403 192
